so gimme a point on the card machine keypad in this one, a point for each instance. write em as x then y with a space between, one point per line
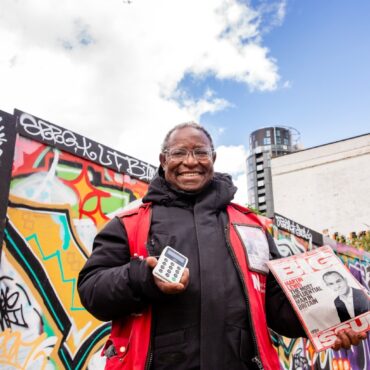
171 265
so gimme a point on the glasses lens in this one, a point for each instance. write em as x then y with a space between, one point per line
178 154
202 153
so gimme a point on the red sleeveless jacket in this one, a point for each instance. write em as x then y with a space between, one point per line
131 335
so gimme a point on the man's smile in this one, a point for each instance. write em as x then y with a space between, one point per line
190 174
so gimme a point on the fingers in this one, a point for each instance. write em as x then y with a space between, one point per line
346 338
169 288
151 262
342 341
185 278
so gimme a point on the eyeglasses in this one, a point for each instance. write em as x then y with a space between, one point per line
181 154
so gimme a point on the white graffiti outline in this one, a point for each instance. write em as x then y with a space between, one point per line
83 147
293 227
2 137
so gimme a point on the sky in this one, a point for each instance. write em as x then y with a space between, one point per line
123 72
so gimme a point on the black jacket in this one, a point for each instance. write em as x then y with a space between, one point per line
207 325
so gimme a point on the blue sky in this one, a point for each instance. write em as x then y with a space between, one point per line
123 73
322 49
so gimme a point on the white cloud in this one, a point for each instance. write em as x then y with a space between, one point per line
241 195
111 70
232 160
271 14
208 103
287 85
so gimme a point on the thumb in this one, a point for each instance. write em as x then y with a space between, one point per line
151 262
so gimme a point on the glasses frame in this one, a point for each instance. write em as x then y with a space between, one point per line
210 153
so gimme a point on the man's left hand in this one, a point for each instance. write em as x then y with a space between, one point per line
346 338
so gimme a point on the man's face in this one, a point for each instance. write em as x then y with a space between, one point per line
337 283
189 174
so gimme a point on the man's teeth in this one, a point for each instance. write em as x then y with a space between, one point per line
190 174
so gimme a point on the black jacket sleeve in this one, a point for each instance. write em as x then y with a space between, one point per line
280 314
112 284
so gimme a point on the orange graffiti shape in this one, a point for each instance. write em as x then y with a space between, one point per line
85 191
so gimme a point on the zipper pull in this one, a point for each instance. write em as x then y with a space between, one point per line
258 362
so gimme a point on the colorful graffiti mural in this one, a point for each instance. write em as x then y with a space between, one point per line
57 203
59 189
7 144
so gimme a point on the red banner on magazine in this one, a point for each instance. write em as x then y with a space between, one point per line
325 295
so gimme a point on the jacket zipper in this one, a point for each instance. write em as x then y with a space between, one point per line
149 357
255 359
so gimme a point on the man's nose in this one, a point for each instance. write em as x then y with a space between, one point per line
190 159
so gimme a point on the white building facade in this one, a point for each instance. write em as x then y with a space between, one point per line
326 188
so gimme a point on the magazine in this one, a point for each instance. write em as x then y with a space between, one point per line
325 295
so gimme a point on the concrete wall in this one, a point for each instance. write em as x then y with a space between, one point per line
326 187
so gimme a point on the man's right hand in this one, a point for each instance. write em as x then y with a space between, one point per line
169 288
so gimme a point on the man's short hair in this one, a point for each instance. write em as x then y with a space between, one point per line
191 124
331 273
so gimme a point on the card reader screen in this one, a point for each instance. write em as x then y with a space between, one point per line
176 257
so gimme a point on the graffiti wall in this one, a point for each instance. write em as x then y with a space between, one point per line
63 189
299 354
7 144
57 190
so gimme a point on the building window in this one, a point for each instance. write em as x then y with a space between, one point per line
266 141
268 134
286 141
277 132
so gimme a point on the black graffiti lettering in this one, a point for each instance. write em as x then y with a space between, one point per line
299 362
11 308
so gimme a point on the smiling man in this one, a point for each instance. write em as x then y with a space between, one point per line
216 317
187 159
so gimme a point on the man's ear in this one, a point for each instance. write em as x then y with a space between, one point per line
214 157
162 160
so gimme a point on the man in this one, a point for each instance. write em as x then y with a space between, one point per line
350 302
217 316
